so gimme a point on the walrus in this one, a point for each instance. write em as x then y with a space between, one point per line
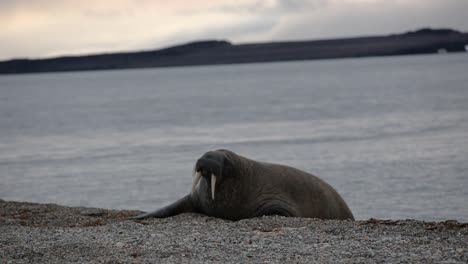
232 187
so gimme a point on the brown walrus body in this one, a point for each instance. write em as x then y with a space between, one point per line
233 187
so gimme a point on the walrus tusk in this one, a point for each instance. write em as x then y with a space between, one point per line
213 185
196 180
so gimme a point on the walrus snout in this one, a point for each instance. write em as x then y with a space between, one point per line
209 166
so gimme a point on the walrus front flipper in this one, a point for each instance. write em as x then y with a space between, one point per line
183 205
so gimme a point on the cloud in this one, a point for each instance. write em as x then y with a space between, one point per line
262 7
48 28
252 20
369 17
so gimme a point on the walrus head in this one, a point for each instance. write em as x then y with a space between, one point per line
212 166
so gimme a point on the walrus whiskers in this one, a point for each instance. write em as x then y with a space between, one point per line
213 184
196 180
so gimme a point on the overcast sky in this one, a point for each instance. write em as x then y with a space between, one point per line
43 28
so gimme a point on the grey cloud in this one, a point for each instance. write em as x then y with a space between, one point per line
12 5
267 17
298 5
261 7
380 18
8 4
105 14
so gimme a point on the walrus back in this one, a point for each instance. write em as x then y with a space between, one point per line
312 197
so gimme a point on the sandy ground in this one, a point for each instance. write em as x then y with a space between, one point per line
38 233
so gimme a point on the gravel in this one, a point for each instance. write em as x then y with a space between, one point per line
38 233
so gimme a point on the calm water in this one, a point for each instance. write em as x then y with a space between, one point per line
390 134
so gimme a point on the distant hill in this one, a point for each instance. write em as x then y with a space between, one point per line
422 41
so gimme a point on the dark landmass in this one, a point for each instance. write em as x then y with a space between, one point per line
49 233
424 41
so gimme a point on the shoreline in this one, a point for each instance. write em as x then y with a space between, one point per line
222 52
52 233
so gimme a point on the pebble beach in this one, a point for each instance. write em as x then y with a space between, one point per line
49 233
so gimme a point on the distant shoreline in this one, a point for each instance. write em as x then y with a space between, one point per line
216 52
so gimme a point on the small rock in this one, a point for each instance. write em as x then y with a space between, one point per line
119 244
370 253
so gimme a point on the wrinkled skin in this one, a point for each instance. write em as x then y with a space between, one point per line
245 188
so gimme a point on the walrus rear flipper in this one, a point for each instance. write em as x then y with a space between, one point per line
183 205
